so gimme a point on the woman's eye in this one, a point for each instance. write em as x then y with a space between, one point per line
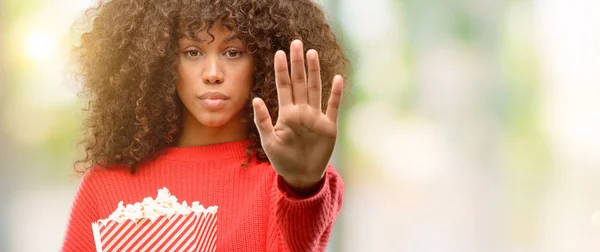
193 53
233 53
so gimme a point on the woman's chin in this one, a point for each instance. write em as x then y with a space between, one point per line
213 122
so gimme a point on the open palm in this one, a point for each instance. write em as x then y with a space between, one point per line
300 144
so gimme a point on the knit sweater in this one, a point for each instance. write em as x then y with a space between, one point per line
257 210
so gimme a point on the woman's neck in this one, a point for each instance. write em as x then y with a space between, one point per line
196 134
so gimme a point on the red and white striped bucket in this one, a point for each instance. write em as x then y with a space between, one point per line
193 232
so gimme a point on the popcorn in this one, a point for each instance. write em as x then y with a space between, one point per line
158 224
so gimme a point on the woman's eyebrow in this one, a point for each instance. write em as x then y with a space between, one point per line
230 38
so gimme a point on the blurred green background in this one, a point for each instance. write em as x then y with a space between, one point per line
471 125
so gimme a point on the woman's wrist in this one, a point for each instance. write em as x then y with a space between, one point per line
304 188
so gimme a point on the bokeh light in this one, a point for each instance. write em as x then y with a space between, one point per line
39 46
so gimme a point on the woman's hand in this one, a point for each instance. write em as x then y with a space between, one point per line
300 144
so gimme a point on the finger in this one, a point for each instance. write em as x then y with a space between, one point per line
335 99
282 79
298 73
314 79
262 119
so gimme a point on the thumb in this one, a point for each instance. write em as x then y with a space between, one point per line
262 119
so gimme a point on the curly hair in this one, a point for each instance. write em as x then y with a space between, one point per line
127 61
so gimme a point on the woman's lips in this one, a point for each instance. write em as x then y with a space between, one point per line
213 100
213 95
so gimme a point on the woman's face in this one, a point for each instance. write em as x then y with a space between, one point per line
215 77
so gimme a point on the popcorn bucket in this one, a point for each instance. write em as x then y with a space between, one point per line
193 230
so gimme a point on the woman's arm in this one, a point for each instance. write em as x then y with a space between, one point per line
79 236
304 224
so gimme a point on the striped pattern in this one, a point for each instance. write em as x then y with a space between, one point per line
193 232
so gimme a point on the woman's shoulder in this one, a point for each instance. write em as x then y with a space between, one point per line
99 183
98 174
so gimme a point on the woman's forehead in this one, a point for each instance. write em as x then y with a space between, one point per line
209 32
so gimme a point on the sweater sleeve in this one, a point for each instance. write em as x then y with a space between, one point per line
304 224
79 236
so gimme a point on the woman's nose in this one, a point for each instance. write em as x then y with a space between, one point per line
213 73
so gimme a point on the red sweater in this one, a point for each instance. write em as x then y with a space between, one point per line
257 212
